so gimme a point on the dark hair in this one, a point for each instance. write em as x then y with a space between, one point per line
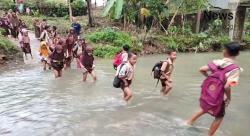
46 27
170 51
44 19
131 54
126 47
232 48
54 27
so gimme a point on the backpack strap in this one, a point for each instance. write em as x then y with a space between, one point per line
212 66
121 69
230 68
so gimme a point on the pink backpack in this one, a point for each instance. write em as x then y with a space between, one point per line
117 60
212 94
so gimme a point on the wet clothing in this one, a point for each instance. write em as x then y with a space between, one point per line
123 84
87 61
71 39
222 111
26 44
126 71
167 67
57 60
26 48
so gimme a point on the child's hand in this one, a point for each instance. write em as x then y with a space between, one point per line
227 102
84 70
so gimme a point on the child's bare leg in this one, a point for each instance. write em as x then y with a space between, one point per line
214 126
60 73
31 55
195 117
128 93
26 56
93 74
44 65
163 89
56 73
84 78
168 87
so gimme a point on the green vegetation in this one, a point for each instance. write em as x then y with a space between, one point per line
52 8
246 37
107 42
7 47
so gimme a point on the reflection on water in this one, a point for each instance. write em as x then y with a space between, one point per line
33 103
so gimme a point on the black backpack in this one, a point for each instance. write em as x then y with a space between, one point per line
156 70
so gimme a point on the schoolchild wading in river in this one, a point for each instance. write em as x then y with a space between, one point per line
125 72
57 58
166 71
86 61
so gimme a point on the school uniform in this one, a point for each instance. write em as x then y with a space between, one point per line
126 70
167 68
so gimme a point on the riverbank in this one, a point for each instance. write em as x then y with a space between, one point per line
10 53
107 37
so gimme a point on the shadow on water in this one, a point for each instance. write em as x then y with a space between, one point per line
32 102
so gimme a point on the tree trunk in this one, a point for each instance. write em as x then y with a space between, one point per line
172 20
198 22
125 21
182 22
70 11
91 23
239 23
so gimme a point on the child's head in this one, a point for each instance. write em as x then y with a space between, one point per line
231 49
132 58
172 54
125 47
71 31
59 49
89 50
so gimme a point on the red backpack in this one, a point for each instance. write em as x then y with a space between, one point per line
117 60
212 94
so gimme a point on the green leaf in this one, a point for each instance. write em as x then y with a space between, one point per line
118 9
109 5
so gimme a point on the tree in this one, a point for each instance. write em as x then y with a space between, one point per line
91 22
114 8
70 10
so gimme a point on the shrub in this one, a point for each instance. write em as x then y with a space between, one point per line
105 51
111 37
7 47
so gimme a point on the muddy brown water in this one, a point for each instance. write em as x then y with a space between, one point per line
33 103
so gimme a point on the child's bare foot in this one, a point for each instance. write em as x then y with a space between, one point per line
188 123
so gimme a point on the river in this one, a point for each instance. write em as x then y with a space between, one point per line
33 103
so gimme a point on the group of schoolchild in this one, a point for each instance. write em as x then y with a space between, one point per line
16 28
220 76
58 52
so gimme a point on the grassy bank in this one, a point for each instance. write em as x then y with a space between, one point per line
8 51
